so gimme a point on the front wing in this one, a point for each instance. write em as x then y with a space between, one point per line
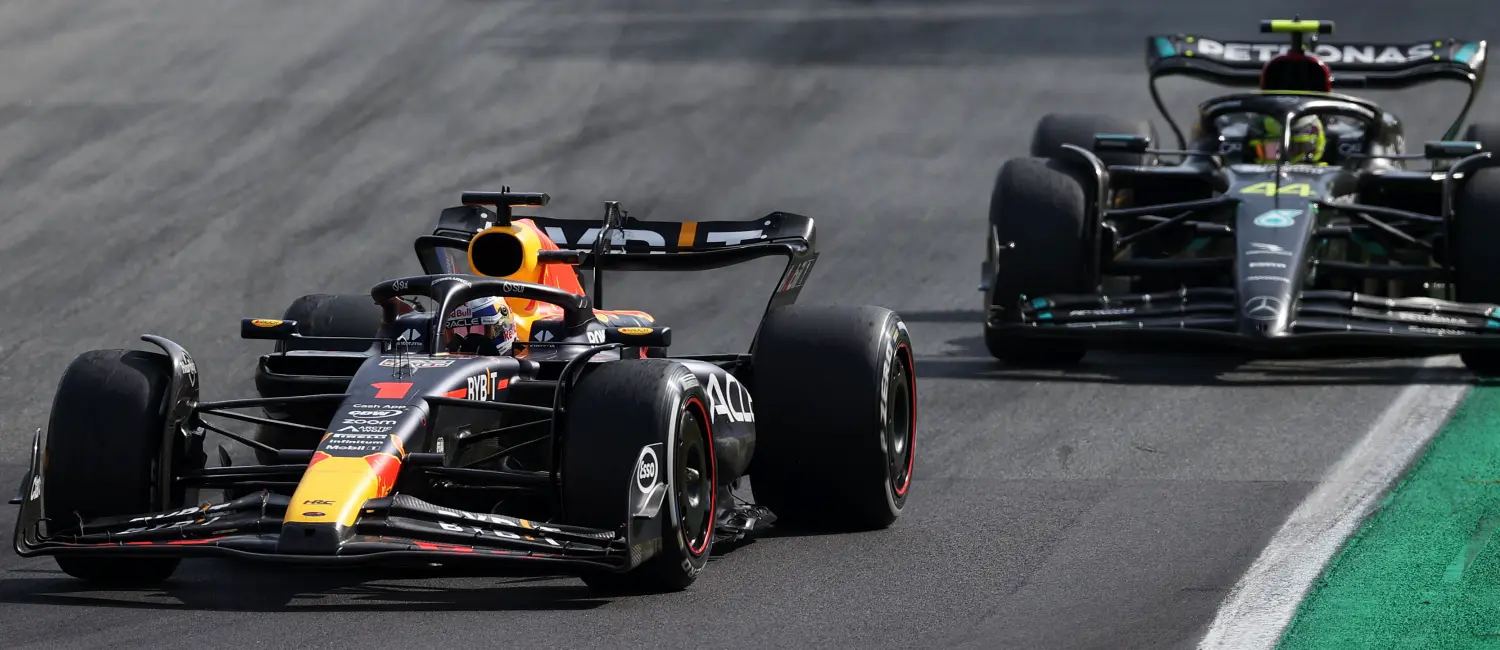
400 527
1217 316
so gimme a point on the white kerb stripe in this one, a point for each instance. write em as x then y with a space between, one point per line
1259 607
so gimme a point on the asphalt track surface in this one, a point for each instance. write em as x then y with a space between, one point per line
170 167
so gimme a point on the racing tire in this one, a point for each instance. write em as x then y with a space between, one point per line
1057 129
617 411
1485 133
836 417
332 315
1477 268
103 444
317 315
1038 212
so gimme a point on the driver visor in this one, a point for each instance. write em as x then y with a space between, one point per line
1304 142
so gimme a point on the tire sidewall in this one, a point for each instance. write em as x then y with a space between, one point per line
896 348
693 404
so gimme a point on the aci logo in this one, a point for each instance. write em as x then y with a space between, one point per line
1278 218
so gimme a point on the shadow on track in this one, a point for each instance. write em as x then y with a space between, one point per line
967 358
219 586
232 586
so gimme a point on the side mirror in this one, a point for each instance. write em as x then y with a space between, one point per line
267 329
639 337
1451 149
1125 143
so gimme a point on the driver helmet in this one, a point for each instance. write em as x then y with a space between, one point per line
1263 140
480 326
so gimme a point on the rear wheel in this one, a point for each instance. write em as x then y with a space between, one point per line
630 424
1477 268
321 314
1057 129
103 445
836 414
1038 211
351 315
1485 133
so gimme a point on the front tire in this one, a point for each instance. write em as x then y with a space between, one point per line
616 412
103 443
836 415
1038 212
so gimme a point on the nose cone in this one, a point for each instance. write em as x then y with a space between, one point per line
1272 235
1266 314
328 500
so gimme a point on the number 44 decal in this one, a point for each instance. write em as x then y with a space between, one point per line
1269 189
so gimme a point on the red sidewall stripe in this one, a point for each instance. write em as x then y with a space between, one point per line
697 549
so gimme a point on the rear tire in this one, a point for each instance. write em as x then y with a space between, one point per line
836 413
1038 211
317 315
103 443
333 315
1057 129
1485 133
1477 272
617 410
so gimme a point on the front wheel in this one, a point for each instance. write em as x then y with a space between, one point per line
1038 212
631 426
103 444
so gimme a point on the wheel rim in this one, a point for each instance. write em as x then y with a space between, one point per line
899 432
693 483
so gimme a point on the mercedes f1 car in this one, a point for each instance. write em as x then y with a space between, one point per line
1099 239
587 450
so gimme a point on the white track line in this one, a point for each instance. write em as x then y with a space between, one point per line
1259 607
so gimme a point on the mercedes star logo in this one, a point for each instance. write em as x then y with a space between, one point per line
1263 308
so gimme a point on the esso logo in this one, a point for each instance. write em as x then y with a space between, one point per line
646 468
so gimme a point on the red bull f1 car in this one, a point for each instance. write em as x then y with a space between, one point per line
586 450
1290 221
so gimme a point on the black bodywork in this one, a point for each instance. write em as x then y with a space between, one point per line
1274 257
446 435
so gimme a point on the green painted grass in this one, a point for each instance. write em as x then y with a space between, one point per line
1424 571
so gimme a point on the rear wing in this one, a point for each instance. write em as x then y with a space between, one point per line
1375 66
619 242
637 236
